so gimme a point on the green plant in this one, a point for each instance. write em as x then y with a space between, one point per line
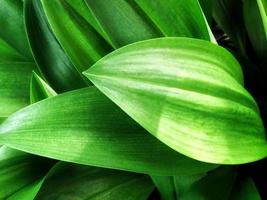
133 99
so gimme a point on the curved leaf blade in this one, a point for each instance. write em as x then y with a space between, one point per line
89 45
83 182
12 27
79 120
52 61
39 89
148 19
15 84
18 170
187 93
255 15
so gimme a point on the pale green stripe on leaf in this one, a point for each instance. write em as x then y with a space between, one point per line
187 93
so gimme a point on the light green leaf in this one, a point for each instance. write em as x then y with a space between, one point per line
50 57
187 93
14 86
18 169
95 129
12 27
255 15
39 89
89 45
228 14
70 181
130 21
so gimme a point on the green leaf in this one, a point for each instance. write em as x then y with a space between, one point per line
173 187
40 89
255 15
187 93
12 27
70 181
18 169
125 22
89 45
20 164
52 61
245 189
14 86
85 127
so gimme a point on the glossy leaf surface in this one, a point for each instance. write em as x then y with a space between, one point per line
97 131
187 93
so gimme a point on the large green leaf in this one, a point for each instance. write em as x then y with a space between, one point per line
85 127
255 15
70 181
52 61
83 44
14 86
187 93
18 169
128 21
12 27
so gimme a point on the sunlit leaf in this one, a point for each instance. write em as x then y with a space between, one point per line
187 93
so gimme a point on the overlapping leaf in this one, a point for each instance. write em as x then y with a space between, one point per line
52 61
229 15
70 181
85 127
125 22
15 59
187 93
18 170
83 44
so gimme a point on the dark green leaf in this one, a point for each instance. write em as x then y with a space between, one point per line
39 89
130 21
12 27
70 181
228 14
50 57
